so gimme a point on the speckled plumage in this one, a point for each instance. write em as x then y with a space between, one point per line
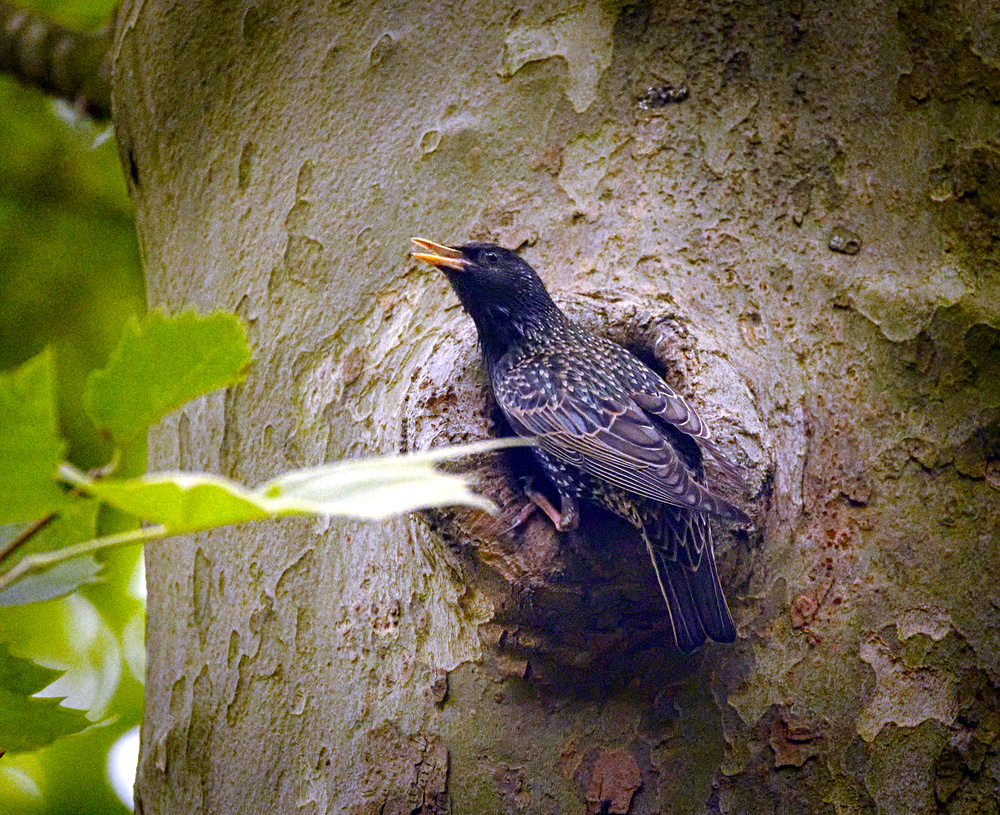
609 429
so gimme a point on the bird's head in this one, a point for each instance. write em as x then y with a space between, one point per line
499 290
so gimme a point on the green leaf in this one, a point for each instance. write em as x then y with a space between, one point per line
160 364
60 580
76 522
27 723
30 447
364 488
182 502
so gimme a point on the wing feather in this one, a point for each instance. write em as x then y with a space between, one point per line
611 437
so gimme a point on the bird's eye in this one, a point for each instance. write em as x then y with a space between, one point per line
490 257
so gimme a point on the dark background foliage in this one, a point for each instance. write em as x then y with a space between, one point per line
69 278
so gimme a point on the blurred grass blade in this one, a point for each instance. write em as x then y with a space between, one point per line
161 363
30 446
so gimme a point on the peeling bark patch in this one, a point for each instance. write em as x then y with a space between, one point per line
404 775
845 241
352 366
294 619
610 780
803 611
304 261
512 786
202 719
582 35
793 740
659 96
904 695
931 622
585 163
201 587
437 691
383 49
968 194
950 61
248 159
800 200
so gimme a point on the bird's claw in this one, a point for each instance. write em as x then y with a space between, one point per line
526 512
564 521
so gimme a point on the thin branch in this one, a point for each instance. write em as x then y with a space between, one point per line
30 531
25 535
39 562
73 65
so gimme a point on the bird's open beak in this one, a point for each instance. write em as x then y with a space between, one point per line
444 257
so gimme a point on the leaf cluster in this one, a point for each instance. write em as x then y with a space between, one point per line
49 508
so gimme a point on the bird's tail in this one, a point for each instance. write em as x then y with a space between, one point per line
684 560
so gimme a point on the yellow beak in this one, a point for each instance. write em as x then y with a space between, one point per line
443 257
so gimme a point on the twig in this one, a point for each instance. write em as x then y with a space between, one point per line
29 532
25 535
41 561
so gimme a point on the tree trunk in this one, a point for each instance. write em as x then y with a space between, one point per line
806 242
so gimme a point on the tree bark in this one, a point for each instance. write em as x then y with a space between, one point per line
806 242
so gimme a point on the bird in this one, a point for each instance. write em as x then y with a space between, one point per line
606 427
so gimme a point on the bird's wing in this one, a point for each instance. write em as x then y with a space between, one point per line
658 400
663 404
608 436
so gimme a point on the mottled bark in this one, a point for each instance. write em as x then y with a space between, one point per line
806 242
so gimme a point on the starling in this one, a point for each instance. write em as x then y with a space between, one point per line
609 430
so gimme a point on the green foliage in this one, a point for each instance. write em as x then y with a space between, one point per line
75 523
367 489
69 278
30 447
27 723
162 364
158 364
180 502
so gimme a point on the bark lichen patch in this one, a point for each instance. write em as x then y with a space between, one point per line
901 775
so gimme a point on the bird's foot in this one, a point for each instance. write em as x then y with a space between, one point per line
523 516
567 519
